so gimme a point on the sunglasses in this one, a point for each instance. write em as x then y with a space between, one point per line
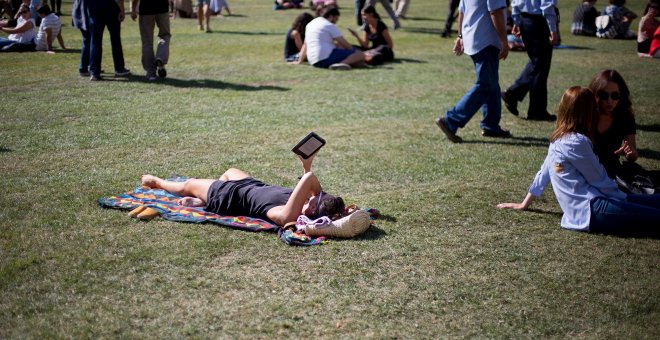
602 95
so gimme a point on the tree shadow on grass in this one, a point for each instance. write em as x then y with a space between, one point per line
209 83
649 128
408 60
419 19
3 149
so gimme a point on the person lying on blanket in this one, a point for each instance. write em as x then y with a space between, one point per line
238 194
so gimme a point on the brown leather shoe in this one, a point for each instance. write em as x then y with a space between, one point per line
442 124
510 103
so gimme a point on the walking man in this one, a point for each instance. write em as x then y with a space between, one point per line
102 14
153 13
536 22
482 36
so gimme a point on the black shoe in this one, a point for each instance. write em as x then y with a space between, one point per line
445 34
510 104
162 72
496 134
445 129
544 117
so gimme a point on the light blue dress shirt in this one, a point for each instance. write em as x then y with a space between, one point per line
576 176
477 29
538 7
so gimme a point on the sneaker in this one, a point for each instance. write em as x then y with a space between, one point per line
152 77
496 134
95 77
84 74
162 72
340 66
442 124
510 103
200 27
123 73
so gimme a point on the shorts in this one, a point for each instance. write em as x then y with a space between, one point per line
201 2
337 55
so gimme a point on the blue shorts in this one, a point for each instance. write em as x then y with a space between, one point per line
202 2
337 55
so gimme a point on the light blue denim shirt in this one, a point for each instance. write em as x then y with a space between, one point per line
576 176
477 29
539 7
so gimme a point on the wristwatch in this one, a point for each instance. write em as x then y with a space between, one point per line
460 36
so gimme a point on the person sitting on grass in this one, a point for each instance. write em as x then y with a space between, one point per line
584 19
325 47
49 29
295 37
622 18
589 199
376 33
21 37
238 194
287 4
647 27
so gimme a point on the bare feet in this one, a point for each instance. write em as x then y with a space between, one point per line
191 202
151 181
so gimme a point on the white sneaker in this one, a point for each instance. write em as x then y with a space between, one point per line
340 66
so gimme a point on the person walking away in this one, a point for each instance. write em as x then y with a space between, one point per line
153 13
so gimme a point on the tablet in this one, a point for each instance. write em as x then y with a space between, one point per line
309 145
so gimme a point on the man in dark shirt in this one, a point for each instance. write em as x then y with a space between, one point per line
153 13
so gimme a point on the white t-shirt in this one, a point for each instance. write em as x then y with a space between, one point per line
51 21
319 37
25 37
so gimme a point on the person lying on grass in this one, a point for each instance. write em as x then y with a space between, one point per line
589 199
238 194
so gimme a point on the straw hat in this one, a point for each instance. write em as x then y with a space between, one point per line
347 226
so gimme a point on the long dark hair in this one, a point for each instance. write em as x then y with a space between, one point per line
331 206
576 114
371 10
301 22
599 83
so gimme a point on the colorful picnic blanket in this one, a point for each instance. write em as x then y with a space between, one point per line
165 203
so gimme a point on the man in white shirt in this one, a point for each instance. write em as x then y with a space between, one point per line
49 29
325 47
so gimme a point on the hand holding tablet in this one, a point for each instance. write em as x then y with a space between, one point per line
309 145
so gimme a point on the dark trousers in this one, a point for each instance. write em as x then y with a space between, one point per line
451 14
98 21
84 52
534 77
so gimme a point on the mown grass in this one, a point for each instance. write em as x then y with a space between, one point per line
442 263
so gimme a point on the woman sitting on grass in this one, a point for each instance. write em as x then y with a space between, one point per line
21 37
589 199
238 194
376 33
295 37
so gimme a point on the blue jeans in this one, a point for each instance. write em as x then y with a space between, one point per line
84 52
97 22
639 214
484 94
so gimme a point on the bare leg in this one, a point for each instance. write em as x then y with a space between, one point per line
197 188
233 174
354 59
207 17
200 17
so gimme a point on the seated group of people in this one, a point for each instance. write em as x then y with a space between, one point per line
26 36
321 43
615 22
595 127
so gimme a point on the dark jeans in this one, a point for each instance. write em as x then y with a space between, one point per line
484 94
84 52
639 214
534 77
98 21
451 14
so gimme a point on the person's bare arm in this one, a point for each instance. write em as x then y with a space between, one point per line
342 43
60 40
388 39
297 39
458 43
307 186
518 206
49 39
628 149
363 42
23 28
302 55
498 19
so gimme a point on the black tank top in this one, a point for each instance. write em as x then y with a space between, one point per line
246 197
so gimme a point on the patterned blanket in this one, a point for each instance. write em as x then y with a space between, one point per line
165 203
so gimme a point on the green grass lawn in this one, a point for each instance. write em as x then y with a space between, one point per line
444 262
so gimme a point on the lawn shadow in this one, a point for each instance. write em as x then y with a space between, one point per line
571 47
235 15
243 32
424 30
520 141
408 60
647 153
209 83
373 233
649 234
3 149
68 51
385 217
649 128
546 212
419 19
